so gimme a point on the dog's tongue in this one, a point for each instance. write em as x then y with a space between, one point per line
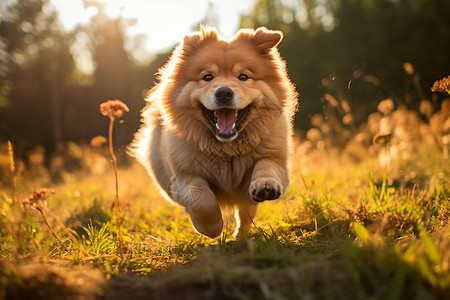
226 118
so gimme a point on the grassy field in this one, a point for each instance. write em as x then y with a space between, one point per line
362 219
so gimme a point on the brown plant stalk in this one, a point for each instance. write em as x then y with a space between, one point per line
66 230
114 109
16 205
38 201
52 230
12 168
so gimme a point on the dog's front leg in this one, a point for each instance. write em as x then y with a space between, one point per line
200 202
269 180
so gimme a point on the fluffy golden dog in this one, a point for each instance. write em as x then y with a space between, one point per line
216 131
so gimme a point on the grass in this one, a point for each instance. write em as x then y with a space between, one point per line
340 233
351 226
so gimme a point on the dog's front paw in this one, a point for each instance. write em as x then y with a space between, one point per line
263 189
206 217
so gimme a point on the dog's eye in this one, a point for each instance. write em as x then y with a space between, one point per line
243 77
208 77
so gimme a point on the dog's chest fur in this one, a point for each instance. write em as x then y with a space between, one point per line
226 175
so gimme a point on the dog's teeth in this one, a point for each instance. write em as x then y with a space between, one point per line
215 113
217 126
234 126
235 113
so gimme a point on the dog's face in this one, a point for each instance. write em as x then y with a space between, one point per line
225 86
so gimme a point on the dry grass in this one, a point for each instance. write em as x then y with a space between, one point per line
370 218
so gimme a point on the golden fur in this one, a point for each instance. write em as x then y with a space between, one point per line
243 159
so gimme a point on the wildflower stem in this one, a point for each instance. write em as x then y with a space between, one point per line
51 229
114 160
116 202
114 109
69 234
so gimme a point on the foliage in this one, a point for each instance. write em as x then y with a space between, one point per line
366 215
99 240
41 84
36 72
352 49
342 226
343 45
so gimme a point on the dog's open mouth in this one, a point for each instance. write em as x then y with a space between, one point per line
226 121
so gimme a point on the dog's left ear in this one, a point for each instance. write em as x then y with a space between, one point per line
192 42
265 39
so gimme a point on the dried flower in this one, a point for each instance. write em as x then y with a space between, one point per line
314 135
348 119
373 122
426 108
382 138
317 120
409 68
36 157
442 86
113 109
345 106
37 199
331 100
386 106
98 141
12 166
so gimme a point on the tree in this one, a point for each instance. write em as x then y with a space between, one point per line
336 43
116 76
42 99
37 70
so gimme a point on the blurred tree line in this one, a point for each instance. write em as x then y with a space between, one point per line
353 48
356 49
45 99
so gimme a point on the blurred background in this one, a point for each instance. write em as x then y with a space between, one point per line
59 59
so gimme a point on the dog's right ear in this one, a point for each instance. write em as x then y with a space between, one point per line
192 42
265 40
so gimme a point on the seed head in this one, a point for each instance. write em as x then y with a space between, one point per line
386 107
113 109
37 199
347 119
442 86
409 68
12 166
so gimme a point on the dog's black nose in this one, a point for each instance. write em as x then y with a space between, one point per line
224 94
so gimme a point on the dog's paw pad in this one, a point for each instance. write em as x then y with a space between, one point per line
265 191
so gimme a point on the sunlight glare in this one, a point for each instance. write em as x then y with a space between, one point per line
158 25
163 23
73 13
114 7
